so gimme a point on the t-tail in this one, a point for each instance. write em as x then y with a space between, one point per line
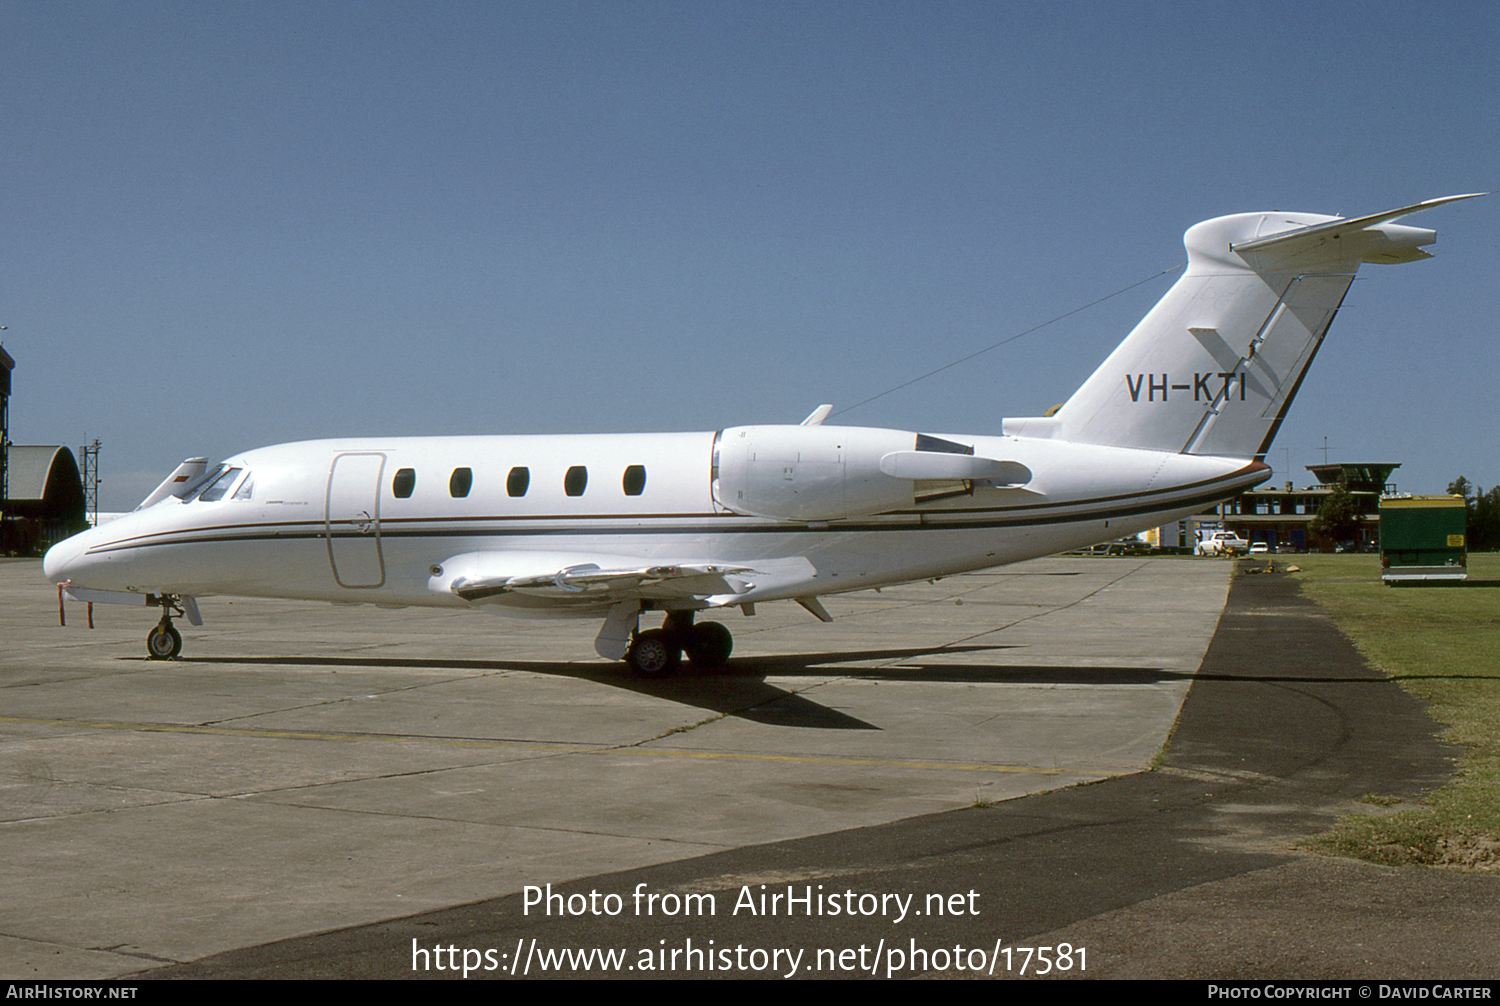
1214 366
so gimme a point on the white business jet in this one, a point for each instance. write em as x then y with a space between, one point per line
1179 417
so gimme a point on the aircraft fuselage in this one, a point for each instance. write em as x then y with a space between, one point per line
367 520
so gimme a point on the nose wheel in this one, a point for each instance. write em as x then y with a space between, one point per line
164 642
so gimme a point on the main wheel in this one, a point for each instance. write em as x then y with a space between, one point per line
163 643
709 644
652 654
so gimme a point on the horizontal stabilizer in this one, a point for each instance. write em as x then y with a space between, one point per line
1362 239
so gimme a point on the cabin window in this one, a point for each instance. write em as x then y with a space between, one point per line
518 481
576 481
460 482
404 482
216 489
635 480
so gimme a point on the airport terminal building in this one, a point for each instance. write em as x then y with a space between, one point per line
1280 516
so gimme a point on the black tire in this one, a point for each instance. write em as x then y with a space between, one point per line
652 655
709 645
163 643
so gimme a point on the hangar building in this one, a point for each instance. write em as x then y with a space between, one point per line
41 491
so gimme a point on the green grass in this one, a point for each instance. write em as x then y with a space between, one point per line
1442 644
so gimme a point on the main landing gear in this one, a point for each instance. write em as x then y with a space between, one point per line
658 652
164 642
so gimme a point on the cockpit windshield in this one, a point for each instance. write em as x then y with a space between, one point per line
190 490
216 484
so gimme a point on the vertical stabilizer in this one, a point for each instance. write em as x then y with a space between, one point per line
1214 366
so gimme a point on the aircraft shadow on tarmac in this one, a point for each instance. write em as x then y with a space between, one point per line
740 689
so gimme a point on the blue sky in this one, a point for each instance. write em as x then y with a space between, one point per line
234 224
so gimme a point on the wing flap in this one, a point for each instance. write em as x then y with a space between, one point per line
480 577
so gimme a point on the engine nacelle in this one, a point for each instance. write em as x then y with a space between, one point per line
818 473
809 473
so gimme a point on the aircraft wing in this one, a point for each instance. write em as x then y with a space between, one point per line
498 577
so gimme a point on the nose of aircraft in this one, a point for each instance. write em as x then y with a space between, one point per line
61 560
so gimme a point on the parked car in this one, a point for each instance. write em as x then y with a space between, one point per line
1222 543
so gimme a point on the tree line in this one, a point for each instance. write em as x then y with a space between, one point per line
1484 513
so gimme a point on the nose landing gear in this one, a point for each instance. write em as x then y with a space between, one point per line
164 642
